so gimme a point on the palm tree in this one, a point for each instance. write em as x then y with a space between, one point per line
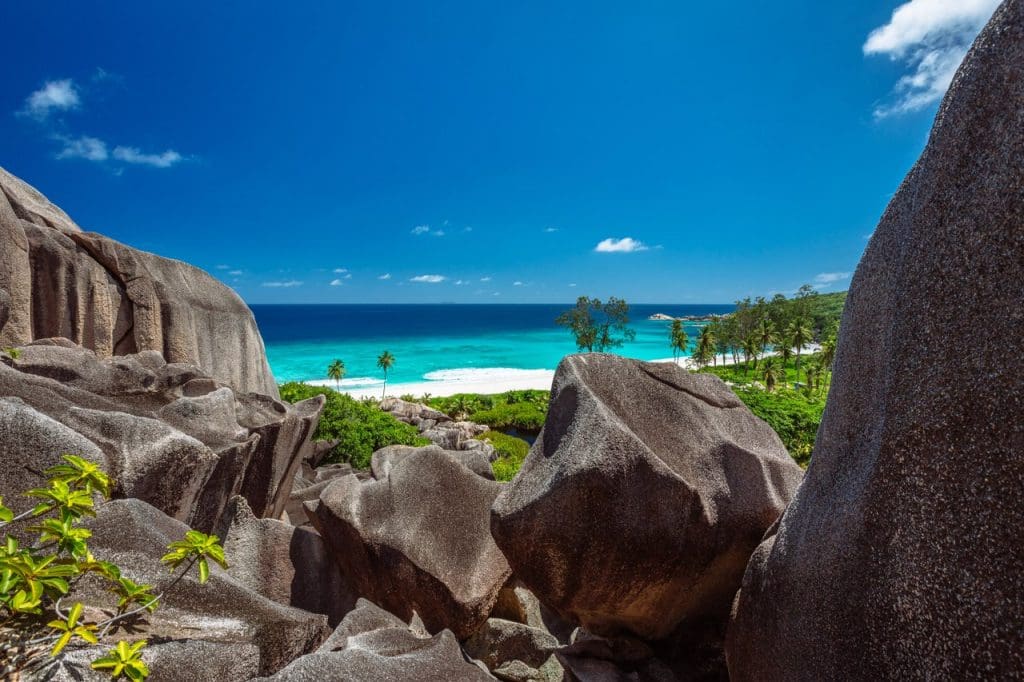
678 339
705 351
771 374
385 361
813 372
799 334
336 370
785 352
765 335
750 348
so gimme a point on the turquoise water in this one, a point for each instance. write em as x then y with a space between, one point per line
438 342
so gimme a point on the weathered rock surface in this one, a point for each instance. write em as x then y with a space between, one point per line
288 565
499 642
901 555
639 504
167 433
372 644
56 280
221 626
384 459
438 427
417 540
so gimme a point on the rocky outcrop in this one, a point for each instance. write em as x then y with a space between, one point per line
56 280
384 460
501 644
199 630
372 644
285 564
901 556
167 433
639 504
417 539
439 428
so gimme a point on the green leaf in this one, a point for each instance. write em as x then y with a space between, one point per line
61 643
204 571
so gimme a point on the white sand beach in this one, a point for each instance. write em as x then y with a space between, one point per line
486 380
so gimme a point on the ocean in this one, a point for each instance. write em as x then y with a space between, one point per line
440 343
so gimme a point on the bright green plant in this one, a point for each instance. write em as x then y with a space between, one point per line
124 660
35 580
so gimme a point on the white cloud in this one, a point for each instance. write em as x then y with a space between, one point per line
336 282
339 271
133 155
830 277
460 282
85 147
517 283
53 96
485 279
551 229
624 245
573 284
930 37
287 284
429 279
223 267
421 229
236 273
386 275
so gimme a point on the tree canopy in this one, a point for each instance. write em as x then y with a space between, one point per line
598 326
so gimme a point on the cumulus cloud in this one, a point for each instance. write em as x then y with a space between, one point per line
930 38
429 279
286 284
624 245
133 155
830 277
386 275
421 229
84 147
485 279
53 96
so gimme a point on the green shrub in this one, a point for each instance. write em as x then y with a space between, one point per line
790 414
511 453
359 425
36 579
522 410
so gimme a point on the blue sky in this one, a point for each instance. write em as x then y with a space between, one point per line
481 152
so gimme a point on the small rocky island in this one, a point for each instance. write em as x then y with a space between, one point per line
657 530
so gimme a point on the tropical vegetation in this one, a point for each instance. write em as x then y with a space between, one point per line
38 581
359 426
385 361
336 371
596 326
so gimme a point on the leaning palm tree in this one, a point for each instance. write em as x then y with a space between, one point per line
750 348
385 361
799 335
705 346
771 373
785 353
335 371
765 335
678 339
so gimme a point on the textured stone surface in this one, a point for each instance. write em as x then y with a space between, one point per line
220 627
640 502
166 433
500 641
901 555
371 644
417 540
385 458
288 565
56 280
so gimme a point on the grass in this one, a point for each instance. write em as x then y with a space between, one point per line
511 453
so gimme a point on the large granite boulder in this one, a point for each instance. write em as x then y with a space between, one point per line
56 280
372 644
386 458
901 555
288 565
642 499
199 631
417 539
167 433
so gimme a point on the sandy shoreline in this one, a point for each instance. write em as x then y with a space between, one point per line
488 381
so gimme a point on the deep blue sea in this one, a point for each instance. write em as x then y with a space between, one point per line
439 342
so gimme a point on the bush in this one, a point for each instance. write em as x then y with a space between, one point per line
791 415
511 453
360 426
521 410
